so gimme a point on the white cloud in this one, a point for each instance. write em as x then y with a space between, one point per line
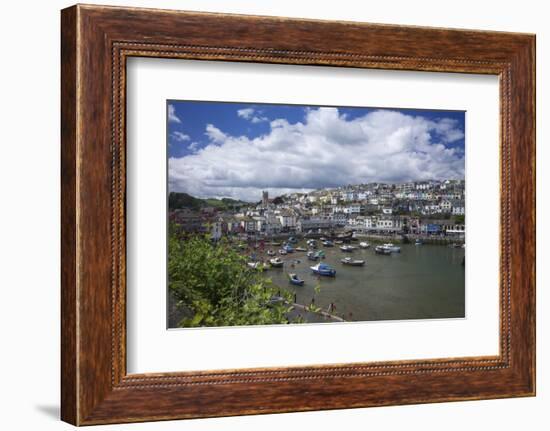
180 137
252 115
325 150
172 117
193 146
215 134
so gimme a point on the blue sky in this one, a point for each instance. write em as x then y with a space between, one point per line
235 150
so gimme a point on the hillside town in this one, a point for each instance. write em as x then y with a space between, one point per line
422 208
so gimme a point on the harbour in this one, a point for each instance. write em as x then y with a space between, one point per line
418 282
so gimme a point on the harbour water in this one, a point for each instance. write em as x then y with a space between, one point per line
420 282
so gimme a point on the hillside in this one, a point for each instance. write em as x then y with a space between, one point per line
178 200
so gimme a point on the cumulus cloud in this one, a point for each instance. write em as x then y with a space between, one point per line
325 150
252 115
180 137
172 117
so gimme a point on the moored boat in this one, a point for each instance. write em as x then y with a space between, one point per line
288 248
270 253
323 269
392 248
282 252
347 248
328 243
294 279
352 262
311 243
300 249
364 244
418 241
380 249
276 262
312 255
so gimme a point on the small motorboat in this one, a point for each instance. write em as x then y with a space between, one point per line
294 279
300 249
270 253
282 251
328 243
392 248
352 262
338 241
320 254
288 248
347 248
292 240
274 243
323 269
253 265
312 243
276 262
380 249
312 255
364 244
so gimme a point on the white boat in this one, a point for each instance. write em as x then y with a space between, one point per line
379 249
282 252
364 244
392 248
270 253
347 248
253 265
276 262
352 262
300 249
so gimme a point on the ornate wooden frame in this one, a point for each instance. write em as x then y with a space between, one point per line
95 42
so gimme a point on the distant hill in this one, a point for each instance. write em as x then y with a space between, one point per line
183 200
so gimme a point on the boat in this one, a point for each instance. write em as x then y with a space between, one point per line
352 262
270 253
455 245
312 243
276 262
364 244
292 240
288 248
380 249
323 269
312 255
345 236
328 243
392 248
418 241
300 249
338 241
294 279
274 243
347 248
253 265
282 252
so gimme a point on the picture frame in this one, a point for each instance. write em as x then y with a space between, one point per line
96 41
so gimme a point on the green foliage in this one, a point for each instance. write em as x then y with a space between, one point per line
212 285
183 200
459 219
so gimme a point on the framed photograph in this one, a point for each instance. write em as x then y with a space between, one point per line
264 214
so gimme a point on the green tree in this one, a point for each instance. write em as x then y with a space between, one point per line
212 286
